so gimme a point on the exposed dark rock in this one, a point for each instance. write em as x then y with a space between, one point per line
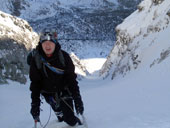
12 61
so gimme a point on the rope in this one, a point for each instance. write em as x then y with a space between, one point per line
84 119
44 126
67 104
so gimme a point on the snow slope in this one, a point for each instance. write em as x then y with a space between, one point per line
139 100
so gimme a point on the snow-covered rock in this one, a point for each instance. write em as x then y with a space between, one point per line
77 19
38 9
80 68
16 39
142 39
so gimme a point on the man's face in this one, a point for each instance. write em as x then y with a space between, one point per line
48 47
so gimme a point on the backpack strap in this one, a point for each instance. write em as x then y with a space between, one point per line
54 69
61 57
37 58
34 54
41 62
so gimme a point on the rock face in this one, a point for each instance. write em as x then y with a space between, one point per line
80 24
16 38
80 68
141 39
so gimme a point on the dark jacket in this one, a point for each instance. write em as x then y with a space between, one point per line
45 80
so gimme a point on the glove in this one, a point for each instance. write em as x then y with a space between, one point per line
79 105
37 119
35 112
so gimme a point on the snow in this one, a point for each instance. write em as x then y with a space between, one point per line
8 22
135 101
93 64
141 19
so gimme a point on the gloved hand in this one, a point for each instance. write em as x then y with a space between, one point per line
79 105
35 112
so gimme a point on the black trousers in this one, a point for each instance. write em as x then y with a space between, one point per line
63 106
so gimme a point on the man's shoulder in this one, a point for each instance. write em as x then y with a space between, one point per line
66 54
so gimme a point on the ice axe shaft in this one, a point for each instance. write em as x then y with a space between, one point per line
84 121
35 124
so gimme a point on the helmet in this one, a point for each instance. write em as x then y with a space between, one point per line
48 34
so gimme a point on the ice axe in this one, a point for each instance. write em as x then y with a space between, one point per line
84 121
35 123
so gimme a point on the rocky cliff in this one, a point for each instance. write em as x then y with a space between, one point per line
16 38
142 39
